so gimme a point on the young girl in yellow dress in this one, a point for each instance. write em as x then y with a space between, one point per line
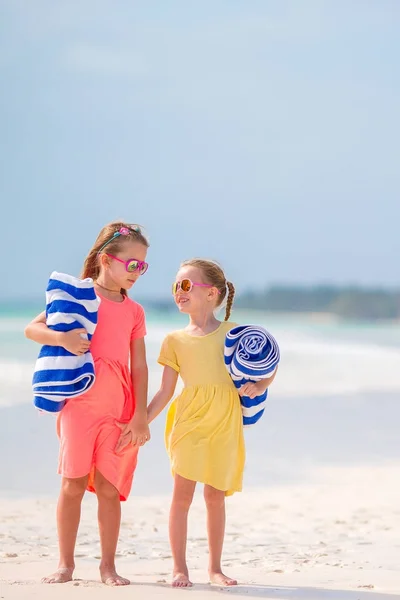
204 430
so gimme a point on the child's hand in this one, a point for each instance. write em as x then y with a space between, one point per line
252 390
135 433
140 431
73 342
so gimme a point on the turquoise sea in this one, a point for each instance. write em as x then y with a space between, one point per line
335 401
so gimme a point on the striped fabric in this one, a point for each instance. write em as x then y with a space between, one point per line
59 375
251 354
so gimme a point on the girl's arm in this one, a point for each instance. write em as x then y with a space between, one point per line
140 378
72 341
164 394
137 432
252 390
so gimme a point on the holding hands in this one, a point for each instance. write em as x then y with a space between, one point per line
135 433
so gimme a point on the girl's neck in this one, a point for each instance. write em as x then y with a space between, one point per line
202 324
108 288
106 282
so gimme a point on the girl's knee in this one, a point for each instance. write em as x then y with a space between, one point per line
213 497
183 493
105 489
74 488
182 499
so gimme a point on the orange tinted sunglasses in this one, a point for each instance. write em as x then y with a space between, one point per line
186 285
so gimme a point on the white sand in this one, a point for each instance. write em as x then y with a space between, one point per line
335 539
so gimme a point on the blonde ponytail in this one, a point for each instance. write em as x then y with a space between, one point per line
229 301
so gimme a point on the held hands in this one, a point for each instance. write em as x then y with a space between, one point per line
74 342
135 433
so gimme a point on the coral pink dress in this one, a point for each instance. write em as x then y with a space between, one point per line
86 425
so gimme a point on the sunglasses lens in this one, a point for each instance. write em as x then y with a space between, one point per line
143 268
133 266
174 288
186 285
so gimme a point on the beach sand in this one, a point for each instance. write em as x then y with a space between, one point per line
319 516
338 538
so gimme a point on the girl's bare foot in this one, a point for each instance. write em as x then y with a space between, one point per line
109 576
220 579
181 580
62 575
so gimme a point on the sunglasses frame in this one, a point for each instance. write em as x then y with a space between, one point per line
140 263
177 286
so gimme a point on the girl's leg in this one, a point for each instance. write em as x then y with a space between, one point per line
178 517
215 502
109 515
68 517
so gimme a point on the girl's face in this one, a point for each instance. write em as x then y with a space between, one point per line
115 265
200 298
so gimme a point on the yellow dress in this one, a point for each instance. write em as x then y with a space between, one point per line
204 429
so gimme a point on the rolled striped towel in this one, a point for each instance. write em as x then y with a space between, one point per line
59 375
251 354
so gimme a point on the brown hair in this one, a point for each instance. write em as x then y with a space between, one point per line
214 275
91 266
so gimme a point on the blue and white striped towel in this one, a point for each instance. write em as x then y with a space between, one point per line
251 354
59 375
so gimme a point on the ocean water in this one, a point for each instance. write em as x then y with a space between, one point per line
318 358
335 401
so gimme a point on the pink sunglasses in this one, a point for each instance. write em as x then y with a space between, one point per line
186 285
132 264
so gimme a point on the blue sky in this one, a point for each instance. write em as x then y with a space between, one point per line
264 134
